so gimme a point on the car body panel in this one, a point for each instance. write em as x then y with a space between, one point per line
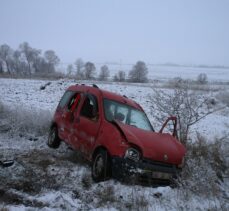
88 134
155 146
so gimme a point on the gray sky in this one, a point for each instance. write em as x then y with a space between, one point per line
179 31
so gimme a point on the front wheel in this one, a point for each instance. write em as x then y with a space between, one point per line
53 138
101 166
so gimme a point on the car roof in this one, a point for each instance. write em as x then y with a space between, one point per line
105 94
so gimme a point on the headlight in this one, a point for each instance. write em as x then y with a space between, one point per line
132 154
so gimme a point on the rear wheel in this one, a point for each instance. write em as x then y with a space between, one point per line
101 166
53 138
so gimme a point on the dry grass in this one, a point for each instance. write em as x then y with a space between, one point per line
4 208
205 168
105 195
223 97
86 180
26 122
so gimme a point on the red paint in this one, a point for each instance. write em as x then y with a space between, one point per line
86 134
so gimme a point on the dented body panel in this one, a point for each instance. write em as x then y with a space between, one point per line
88 118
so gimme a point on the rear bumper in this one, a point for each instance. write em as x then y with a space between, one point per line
144 170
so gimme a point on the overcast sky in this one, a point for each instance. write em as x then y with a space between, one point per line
185 32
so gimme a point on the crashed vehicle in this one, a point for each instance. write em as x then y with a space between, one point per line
114 133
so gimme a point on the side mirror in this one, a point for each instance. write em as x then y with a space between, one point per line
174 121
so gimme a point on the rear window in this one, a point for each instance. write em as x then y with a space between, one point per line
65 99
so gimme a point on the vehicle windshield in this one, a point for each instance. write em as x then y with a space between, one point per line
126 114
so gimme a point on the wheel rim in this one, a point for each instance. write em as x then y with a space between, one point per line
98 166
52 137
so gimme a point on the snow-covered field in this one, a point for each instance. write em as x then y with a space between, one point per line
43 178
169 72
165 72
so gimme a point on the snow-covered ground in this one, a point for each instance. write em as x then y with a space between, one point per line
43 178
27 93
169 72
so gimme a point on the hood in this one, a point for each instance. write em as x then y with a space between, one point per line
155 146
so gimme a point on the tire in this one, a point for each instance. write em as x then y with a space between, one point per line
101 166
53 138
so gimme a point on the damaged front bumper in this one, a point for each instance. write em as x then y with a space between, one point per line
143 170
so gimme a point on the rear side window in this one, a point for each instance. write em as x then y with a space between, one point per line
65 99
90 107
74 102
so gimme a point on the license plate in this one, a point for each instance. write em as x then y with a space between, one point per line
161 175
158 175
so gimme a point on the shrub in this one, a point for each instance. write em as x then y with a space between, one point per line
104 73
223 97
202 78
177 82
188 106
138 73
120 76
205 168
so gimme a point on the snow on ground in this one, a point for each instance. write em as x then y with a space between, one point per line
27 93
169 72
47 179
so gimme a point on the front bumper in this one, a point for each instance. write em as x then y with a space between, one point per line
143 170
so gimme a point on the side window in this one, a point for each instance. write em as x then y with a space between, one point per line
74 102
109 110
115 111
65 99
121 113
90 107
139 120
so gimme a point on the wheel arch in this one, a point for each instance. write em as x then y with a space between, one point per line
53 124
97 149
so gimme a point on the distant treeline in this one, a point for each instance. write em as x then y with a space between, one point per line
27 61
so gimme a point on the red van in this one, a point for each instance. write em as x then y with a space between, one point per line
114 133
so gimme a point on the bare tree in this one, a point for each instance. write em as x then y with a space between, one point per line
70 70
202 78
52 59
40 65
89 71
120 76
1 66
30 55
139 73
79 68
17 62
104 73
6 57
188 106
26 60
